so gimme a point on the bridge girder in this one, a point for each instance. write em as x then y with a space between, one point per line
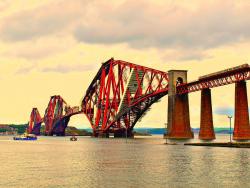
228 76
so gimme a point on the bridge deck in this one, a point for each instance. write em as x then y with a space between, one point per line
225 77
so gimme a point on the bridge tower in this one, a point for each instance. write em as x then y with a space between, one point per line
34 122
178 107
241 120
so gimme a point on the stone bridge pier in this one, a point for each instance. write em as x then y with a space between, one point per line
178 111
241 114
178 108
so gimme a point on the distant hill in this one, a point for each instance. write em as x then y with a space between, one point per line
70 131
21 128
162 130
195 130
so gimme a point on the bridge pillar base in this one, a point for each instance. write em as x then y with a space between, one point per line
178 108
179 126
123 134
94 134
60 134
48 134
103 135
206 122
241 119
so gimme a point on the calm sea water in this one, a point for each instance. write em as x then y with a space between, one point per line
141 162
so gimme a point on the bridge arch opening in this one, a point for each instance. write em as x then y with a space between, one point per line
179 81
152 118
79 121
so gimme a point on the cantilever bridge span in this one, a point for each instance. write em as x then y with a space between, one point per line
122 92
56 118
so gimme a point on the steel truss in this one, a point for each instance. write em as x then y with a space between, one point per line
120 94
35 122
221 78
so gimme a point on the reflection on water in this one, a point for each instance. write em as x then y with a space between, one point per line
141 162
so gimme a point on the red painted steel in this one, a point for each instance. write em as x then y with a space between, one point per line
206 122
56 111
221 78
114 103
120 94
56 117
241 119
53 112
35 118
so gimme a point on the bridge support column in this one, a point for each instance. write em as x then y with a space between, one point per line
206 122
94 134
102 135
241 119
178 108
121 133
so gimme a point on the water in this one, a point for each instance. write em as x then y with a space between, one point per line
141 162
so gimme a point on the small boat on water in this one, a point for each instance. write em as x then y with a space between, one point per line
73 138
25 137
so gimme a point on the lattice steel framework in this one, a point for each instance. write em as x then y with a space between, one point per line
35 122
56 118
221 78
121 93
53 113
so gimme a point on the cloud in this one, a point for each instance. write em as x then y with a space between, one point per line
40 48
53 18
184 55
26 69
60 68
169 25
69 68
190 29
4 4
139 23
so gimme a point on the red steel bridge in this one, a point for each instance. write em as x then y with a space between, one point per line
122 92
56 118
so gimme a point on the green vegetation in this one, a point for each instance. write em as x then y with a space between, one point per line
70 131
21 128
74 131
3 129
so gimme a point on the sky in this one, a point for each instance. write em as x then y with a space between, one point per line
55 47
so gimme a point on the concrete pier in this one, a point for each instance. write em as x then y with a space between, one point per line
206 122
123 133
101 135
178 108
241 119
